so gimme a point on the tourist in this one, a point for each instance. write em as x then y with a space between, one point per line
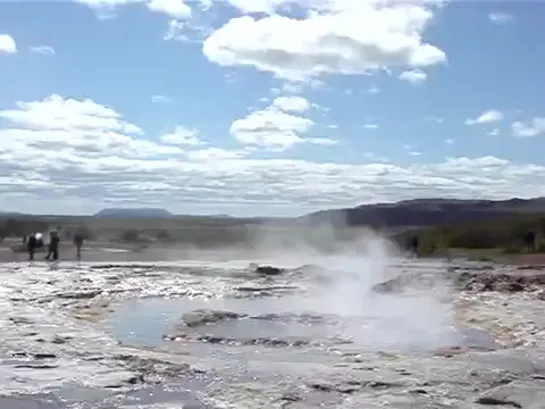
54 240
78 242
530 241
413 245
31 244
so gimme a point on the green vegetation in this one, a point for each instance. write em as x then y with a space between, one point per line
507 236
188 231
23 226
12 227
482 239
185 231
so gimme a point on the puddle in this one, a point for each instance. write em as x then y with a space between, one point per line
144 323
475 338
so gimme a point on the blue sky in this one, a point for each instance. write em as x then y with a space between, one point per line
241 107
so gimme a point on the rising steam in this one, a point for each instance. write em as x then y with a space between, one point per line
351 261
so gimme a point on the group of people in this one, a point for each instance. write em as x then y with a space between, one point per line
35 241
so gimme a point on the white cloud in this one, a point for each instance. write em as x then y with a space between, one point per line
292 104
231 77
58 114
160 99
186 31
322 141
106 8
173 8
413 76
62 128
499 17
270 128
7 44
80 161
106 3
205 4
279 126
182 136
410 150
213 154
344 37
70 150
487 117
529 129
291 88
494 132
295 87
43 49
449 141
435 119
258 6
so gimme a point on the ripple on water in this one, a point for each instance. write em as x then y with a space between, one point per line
144 322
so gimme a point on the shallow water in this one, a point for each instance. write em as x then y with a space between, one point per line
144 322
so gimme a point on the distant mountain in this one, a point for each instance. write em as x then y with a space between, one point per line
426 212
138 213
396 216
11 214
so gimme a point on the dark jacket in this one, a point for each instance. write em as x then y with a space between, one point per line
54 241
32 242
78 240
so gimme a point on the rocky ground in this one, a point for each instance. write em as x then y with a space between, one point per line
426 334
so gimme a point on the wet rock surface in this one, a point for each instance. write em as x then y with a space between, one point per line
235 338
502 282
202 317
269 270
468 279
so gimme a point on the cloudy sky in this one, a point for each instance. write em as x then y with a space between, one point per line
253 107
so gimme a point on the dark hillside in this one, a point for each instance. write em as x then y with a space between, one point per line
427 212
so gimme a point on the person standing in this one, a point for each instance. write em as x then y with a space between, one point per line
78 242
54 240
414 245
530 240
31 243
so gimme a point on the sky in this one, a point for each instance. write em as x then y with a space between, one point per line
268 107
